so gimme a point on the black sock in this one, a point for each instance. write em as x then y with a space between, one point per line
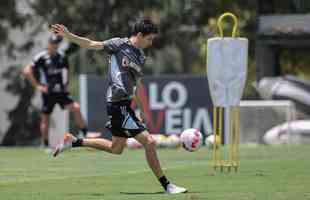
78 142
164 182
84 131
45 142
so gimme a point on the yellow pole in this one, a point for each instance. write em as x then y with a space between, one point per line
220 138
233 143
220 25
215 128
237 141
231 135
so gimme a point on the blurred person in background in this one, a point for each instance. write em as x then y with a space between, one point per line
48 73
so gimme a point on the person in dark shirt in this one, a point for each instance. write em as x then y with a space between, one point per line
48 73
126 61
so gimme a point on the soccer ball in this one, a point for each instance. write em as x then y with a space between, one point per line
191 139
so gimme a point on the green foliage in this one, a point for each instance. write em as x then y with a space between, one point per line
296 62
9 18
182 26
24 117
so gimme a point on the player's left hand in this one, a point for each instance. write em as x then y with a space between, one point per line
60 29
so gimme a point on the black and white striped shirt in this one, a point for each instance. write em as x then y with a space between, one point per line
52 71
125 68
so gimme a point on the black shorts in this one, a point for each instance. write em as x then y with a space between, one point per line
123 120
49 101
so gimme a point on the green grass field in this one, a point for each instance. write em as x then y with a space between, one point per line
266 173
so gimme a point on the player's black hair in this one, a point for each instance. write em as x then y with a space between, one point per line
145 26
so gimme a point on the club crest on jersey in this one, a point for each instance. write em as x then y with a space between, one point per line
48 61
125 61
142 59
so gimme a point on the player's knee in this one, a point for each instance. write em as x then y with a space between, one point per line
151 142
76 106
44 125
116 149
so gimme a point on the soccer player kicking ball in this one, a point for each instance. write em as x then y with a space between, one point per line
125 71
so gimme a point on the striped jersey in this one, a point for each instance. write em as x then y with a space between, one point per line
125 68
52 71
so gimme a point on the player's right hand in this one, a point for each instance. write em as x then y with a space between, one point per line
143 117
42 88
60 29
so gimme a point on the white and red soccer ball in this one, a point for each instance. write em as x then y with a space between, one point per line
191 139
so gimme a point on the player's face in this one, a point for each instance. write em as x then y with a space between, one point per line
52 47
146 41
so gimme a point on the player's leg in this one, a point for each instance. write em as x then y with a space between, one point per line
48 103
149 145
116 146
132 126
75 109
65 101
44 126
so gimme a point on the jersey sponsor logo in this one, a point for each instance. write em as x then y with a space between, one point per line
53 71
125 61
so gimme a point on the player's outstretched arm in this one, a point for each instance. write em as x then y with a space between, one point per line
60 29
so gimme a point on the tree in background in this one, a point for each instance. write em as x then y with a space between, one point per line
10 18
24 127
185 25
24 117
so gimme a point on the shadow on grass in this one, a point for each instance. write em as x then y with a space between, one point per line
141 193
155 193
86 194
